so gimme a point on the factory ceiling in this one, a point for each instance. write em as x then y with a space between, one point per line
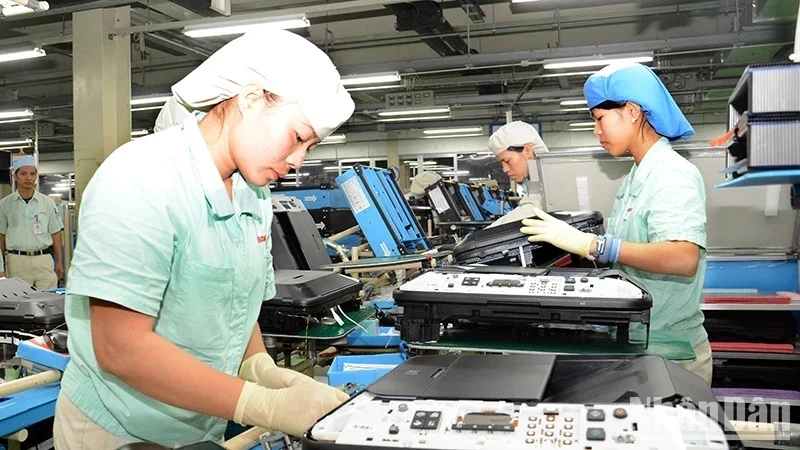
475 58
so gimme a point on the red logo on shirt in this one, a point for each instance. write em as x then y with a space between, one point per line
261 239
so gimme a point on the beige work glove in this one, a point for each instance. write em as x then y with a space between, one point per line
291 410
261 369
557 232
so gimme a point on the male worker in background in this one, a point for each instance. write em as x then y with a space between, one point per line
515 146
30 230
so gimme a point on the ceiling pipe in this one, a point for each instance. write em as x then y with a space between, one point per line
767 36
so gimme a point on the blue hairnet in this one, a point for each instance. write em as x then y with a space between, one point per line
22 161
630 82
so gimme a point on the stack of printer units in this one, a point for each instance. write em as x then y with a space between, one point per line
764 120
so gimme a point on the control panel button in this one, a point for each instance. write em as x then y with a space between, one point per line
595 415
569 287
595 434
568 434
568 426
620 413
402 407
394 429
584 280
570 281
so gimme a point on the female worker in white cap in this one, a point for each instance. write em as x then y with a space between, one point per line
173 260
657 227
515 146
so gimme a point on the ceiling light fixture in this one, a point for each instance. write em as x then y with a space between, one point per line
25 119
371 78
452 135
334 139
146 108
582 129
140 133
582 124
573 102
574 109
523 1
15 55
161 98
377 88
26 113
414 111
242 26
453 130
407 119
17 142
597 60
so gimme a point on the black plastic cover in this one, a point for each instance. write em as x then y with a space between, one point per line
24 308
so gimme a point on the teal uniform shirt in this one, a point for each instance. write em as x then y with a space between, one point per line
159 235
663 199
18 221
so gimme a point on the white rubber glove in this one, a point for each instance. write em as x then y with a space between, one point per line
261 369
557 232
292 410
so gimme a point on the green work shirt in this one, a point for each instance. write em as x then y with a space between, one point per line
663 199
28 226
159 235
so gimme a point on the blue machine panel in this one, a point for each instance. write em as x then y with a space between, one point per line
474 209
318 197
382 212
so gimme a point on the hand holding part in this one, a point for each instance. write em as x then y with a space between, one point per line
261 369
547 228
291 410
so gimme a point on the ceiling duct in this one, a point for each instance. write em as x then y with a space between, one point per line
426 18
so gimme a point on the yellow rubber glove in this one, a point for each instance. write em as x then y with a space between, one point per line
557 232
261 369
292 410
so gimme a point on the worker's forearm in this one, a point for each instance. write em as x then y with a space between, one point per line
256 343
670 258
57 247
163 371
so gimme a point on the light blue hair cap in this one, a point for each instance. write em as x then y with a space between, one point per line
22 161
632 82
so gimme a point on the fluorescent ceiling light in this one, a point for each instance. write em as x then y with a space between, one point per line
35 52
24 119
598 60
147 108
474 129
334 139
415 111
406 119
424 163
574 109
17 142
376 88
458 172
243 26
371 78
582 124
139 133
573 102
523 1
452 135
150 100
582 129
16 114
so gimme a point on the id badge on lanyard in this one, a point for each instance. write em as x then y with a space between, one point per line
37 225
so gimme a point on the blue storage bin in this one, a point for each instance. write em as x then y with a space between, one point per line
337 376
360 338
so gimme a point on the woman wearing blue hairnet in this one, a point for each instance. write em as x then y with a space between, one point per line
173 260
657 228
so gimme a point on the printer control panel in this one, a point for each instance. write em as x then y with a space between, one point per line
471 424
516 284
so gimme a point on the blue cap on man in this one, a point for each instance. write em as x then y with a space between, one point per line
22 161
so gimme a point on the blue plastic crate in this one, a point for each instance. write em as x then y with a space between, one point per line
360 338
337 376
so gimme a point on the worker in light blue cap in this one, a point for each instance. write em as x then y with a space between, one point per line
657 228
173 260
30 230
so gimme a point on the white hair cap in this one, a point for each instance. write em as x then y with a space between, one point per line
516 134
278 61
